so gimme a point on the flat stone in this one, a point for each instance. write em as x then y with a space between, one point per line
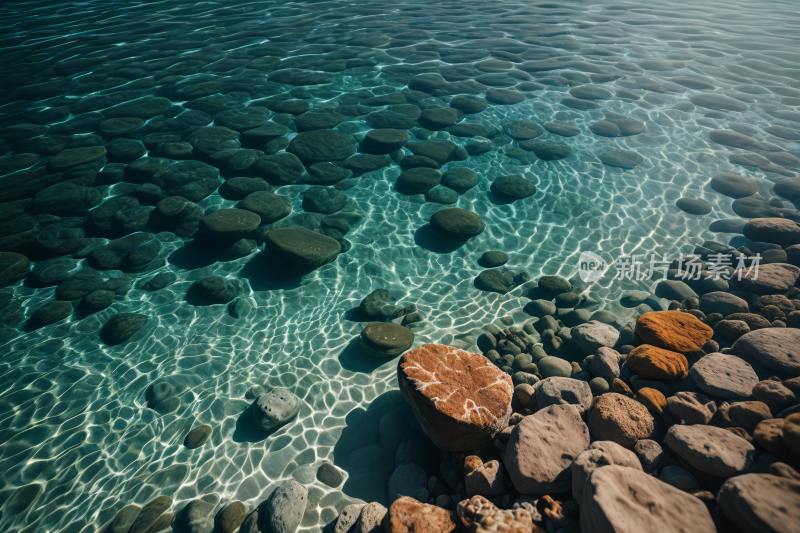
279 169
418 180
723 303
459 179
651 362
773 230
215 289
14 267
712 450
726 376
303 247
761 502
386 339
238 188
717 101
593 335
323 145
385 140
513 187
52 312
777 348
327 173
563 130
229 224
773 278
673 330
268 206
74 157
563 391
150 514
618 499
124 519
121 327
733 185
197 437
542 447
621 158
460 399
348 518
438 118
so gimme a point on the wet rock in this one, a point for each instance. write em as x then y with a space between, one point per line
479 514
299 77
733 185
268 206
258 137
329 475
542 447
621 158
142 108
723 303
97 301
66 199
231 517
717 101
546 150
778 349
74 157
386 339
214 289
494 258
389 119
322 145
279 169
650 362
52 312
151 514
620 419
504 96
456 223
673 330
14 267
450 424
327 174
79 285
459 179
694 206
711 449
418 180
121 327
513 187
211 139
160 281
376 306
725 376
563 130
44 274
325 200
197 437
130 252
123 520
229 223
384 141
285 507
442 195
615 497
468 104
303 247
275 408
554 367
438 118
196 517
407 515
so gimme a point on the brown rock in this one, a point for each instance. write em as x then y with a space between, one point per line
773 278
673 330
407 515
650 362
460 399
543 446
761 503
769 434
231 517
791 433
686 406
620 419
479 514
711 450
617 499
487 480
652 399
747 415
471 463
784 470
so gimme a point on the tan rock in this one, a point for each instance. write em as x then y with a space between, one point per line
479 514
407 515
620 419
761 503
711 449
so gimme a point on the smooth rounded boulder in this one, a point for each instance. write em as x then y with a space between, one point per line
542 447
759 503
229 223
456 223
386 339
513 187
773 230
777 348
303 247
460 399
712 450
617 499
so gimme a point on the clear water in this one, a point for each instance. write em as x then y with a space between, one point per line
73 414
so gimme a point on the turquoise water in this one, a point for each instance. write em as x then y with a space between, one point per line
75 426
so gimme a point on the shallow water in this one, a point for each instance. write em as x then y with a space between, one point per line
74 420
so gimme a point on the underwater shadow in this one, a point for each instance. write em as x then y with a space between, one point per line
426 238
356 314
355 359
195 254
498 198
247 431
266 271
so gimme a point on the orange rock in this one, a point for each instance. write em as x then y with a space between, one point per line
650 362
471 464
460 399
673 330
407 515
652 399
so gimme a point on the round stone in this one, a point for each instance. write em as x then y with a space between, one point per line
418 180
563 130
197 437
726 376
548 151
215 289
384 141
52 312
438 118
468 104
229 223
620 419
268 206
325 200
494 258
241 187
513 187
522 130
621 158
459 179
457 223
121 327
386 339
73 157
303 247
694 206
322 145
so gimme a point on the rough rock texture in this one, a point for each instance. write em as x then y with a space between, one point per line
562 391
348 518
371 518
774 230
620 419
593 335
275 407
285 507
605 363
777 348
122 327
761 503
407 515
617 499
479 514
542 447
599 453
460 399
773 278
486 480
650 362
724 375
712 450
673 330
304 247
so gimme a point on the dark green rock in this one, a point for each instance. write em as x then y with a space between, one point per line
52 312
456 223
121 327
514 187
197 436
386 339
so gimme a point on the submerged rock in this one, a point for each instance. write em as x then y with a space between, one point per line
386 339
275 408
285 507
121 327
456 223
303 247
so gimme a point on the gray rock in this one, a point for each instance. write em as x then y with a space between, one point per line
197 517
554 367
124 519
121 327
346 523
599 453
723 303
150 513
777 348
407 480
285 507
329 475
564 391
605 363
371 518
674 290
486 480
593 335
650 454
712 450
761 503
542 447
540 308
275 408
726 376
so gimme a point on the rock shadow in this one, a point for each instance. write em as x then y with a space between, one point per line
266 271
247 431
355 359
425 237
